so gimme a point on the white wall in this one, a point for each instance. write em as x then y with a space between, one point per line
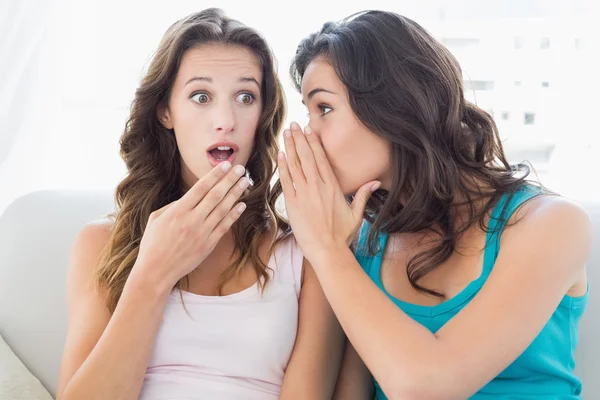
93 53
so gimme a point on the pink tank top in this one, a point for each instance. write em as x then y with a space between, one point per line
229 347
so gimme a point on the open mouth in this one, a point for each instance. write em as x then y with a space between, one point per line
221 152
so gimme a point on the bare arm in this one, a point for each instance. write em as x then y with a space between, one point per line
104 356
315 361
541 258
355 382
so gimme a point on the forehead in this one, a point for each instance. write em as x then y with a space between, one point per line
320 74
219 60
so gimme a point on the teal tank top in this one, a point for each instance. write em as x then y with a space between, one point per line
545 370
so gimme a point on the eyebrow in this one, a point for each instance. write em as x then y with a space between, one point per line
210 80
315 91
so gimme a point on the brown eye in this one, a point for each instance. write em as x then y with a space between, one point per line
325 110
245 98
201 98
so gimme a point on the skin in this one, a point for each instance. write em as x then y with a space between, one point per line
106 355
529 279
343 136
215 98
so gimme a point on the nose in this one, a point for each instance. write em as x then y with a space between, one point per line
314 127
224 118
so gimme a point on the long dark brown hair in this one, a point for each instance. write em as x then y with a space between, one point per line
153 161
406 87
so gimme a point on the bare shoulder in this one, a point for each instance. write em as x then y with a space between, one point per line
286 244
553 223
560 212
92 238
88 315
94 234
89 243
285 241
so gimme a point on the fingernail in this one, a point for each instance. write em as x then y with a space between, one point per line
239 170
241 207
225 166
375 186
281 156
287 133
244 183
295 126
307 130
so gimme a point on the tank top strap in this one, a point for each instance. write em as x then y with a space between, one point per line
504 209
288 259
362 252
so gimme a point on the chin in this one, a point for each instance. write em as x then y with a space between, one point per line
347 190
191 176
200 172
350 188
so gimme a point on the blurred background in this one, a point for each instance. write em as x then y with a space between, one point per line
69 69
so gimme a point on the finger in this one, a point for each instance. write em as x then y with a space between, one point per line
305 154
197 192
214 197
223 208
157 213
293 162
321 160
362 196
223 227
287 185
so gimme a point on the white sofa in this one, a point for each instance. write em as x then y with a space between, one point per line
36 235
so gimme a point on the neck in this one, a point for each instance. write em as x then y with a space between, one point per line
224 248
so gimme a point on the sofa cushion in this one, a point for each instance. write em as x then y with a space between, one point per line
16 382
37 232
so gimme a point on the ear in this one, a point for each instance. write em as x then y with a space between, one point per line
164 116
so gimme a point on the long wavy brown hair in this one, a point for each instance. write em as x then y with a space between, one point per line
153 161
406 87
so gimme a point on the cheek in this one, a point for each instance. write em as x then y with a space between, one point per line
188 121
245 131
247 119
193 136
351 152
342 146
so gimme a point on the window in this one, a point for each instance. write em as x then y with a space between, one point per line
458 43
529 118
479 85
545 43
518 42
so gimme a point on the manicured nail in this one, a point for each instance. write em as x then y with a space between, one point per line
244 183
307 130
239 170
295 126
281 156
225 166
287 133
241 207
375 186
